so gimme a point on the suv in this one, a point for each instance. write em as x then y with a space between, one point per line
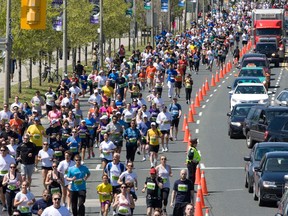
271 50
256 123
277 130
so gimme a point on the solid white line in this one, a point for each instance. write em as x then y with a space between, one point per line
207 100
223 81
205 168
202 166
197 131
200 114
215 90
198 122
203 106
98 167
211 95
238 189
219 86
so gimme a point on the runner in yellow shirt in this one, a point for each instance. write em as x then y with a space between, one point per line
105 195
153 136
108 90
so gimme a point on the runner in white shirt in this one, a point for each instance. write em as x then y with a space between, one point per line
164 120
107 149
45 155
56 209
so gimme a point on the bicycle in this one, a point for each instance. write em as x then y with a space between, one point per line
52 76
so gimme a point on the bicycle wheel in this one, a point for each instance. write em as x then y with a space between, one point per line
44 76
57 78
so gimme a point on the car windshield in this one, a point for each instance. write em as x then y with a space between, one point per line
276 164
241 111
252 72
254 62
271 114
260 152
269 31
283 96
245 81
266 47
250 90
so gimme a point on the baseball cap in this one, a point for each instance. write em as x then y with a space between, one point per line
104 117
54 121
83 120
118 113
36 119
153 171
34 110
95 91
153 123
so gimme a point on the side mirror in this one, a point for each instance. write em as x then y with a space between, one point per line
284 103
229 114
257 169
247 158
230 92
229 87
238 67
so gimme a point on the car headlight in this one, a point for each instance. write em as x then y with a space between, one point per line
234 100
273 54
238 124
269 184
263 101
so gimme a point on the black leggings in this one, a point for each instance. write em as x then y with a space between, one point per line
165 195
130 153
10 195
192 171
188 92
75 196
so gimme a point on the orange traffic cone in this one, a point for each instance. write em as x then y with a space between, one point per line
207 212
194 112
197 101
186 134
184 122
198 175
217 77
224 70
198 207
203 184
207 85
199 191
190 116
200 95
203 90
221 74
213 83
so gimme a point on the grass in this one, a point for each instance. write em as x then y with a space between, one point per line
27 93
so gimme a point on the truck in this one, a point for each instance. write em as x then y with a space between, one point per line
268 23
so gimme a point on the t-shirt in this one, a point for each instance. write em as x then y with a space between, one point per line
154 136
104 188
5 164
63 168
52 211
174 110
79 172
153 189
46 157
108 91
107 146
114 171
150 71
128 177
24 207
35 132
183 191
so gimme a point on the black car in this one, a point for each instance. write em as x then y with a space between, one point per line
256 123
252 55
270 49
255 156
269 183
236 119
277 130
283 203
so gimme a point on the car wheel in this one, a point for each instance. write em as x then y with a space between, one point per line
230 134
260 201
254 192
250 186
246 181
249 140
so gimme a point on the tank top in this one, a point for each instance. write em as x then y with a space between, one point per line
163 172
55 187
124 204
12 183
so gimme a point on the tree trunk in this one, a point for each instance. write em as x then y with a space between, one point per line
30 73
57 62
74 58
19 76
86 55
40 71
109 47
129 41
141 38
114 45
79 53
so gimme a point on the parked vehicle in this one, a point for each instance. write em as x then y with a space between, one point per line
269 183
277 130
256 123
255 156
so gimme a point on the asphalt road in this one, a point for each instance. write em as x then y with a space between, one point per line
222 158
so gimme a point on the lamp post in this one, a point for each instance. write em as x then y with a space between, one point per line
65 53
101 33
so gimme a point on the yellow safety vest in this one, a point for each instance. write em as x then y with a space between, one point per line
196 155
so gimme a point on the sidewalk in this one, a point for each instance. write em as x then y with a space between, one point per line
25 65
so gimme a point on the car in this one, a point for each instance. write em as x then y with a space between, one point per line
256 123
252 55
270 49
255 72
269 180
277 130
255 156
236 119
282 98
257 62
283 203
242 80
249 93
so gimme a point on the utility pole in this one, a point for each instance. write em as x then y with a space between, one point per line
65 50
196 11
8 53
134 25
185 16
169 15
152 23
101 34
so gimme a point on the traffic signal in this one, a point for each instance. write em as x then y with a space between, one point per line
33 14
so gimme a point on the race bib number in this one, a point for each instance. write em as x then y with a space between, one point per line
78 181
151 186
73 149
55 190
182 188
24 209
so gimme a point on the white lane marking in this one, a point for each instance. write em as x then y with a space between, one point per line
205 168
197 131
215 90
223 81
207 100
219 86
98 167
236 189
202 166
198 122
200 114
227 78
211 95
203 106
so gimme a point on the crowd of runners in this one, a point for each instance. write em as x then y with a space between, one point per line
127 111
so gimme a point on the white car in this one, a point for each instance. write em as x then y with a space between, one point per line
249 93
